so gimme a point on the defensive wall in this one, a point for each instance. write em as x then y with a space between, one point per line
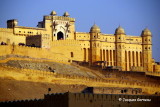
33 52
113 90
60 51
110 100
87 100
7 36
54 53
45 76
74 49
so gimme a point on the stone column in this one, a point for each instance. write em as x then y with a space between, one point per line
106 57
138 60
135 58
86 54
127 61
102 54
112 58
109 60
131 59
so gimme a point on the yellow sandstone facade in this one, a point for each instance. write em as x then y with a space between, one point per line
56 38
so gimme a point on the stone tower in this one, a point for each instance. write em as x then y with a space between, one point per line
94 44
120 47
12 23
147 49
59 27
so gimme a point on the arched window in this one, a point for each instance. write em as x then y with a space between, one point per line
60 36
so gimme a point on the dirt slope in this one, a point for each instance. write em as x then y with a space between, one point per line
17 90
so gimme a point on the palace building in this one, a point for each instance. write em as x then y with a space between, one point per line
56 38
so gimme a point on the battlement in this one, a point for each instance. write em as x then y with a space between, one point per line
34 28
66 42
133 36
36 48
8 30
103 34
33 52
82 33
23 103
87 100
59 18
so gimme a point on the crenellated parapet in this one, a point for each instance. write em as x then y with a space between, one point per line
66 43
87 99
7 30
59 18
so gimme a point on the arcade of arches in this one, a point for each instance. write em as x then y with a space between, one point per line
132 58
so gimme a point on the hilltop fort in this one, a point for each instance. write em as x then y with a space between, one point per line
55 38
52 54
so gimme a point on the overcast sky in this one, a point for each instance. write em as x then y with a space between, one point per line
132 15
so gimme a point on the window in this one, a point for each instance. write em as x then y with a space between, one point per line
72 54
125 91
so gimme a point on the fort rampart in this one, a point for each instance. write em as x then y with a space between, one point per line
32 52
87 100
46 76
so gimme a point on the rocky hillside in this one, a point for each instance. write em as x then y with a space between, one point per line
29 78
48 66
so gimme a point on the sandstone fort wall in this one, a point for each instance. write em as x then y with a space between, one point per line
45 76
87 100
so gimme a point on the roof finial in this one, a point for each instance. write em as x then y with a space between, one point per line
53 13
66 14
